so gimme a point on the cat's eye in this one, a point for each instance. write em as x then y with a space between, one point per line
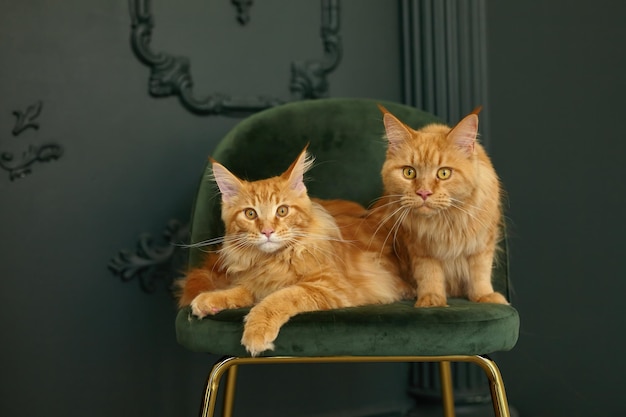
250 213
444 173
282 211
409 172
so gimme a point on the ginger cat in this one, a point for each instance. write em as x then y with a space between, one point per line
440 213
283 254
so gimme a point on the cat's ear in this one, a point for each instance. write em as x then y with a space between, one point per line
396 131
464 134
227 182
295 173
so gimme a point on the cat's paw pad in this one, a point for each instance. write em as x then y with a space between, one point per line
431 300
204 305
257 341
258 336
494 297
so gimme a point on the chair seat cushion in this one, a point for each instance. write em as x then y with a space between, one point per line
398 329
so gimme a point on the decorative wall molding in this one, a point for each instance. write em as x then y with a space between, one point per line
309 78
170 74
154 262
444 57
19 164
243 10
26 118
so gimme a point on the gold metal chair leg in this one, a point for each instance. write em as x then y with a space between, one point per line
447 391
229 394
500 404
498 394
213 383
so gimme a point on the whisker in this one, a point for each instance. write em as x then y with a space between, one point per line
237 242
397 228
456 202
318 237
385 205
386 219
329 254
319 250
469 214
384 197
208 242
394 228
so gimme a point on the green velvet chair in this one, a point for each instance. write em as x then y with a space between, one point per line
346 138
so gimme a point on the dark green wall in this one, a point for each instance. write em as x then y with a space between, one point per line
76 340
557 86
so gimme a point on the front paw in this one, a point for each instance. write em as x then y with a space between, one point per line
206 304
431 300
494 297
258 336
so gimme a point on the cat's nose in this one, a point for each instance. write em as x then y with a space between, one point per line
424 194
267 232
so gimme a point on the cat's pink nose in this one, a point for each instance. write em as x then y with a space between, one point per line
424 194
267 232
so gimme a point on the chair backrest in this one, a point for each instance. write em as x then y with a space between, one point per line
346 138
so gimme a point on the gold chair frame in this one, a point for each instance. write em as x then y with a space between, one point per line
229 366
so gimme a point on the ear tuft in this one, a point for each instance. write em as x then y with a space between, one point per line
382 109
477 110
295 173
